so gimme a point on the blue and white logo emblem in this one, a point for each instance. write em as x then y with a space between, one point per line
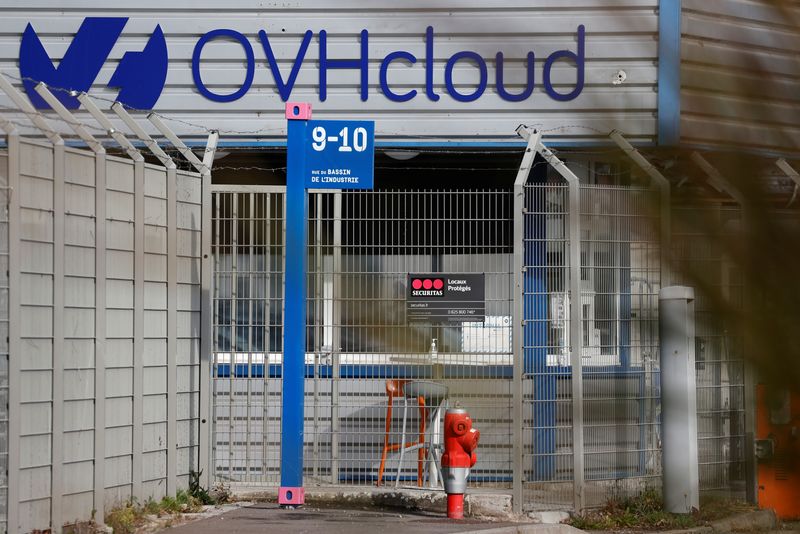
140 76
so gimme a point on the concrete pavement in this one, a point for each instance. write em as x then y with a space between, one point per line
270 518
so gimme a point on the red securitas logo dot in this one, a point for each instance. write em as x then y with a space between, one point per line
427 287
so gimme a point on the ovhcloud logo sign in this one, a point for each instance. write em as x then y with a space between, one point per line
140 76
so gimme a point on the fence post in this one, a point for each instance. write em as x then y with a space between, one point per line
575 321
204 460
679 399
336 338
576 340
518 314
14 356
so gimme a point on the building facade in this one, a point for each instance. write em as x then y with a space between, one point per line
144 291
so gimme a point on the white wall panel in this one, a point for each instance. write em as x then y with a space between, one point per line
36 193
79 292
155 211
154 437
79 446
155 268
78 477
78 384
119 353
155 353
78 415
79 323
79 231
155 239
155 182
79 353
36 161
79 261
118 413
79 200
155 408
119 264
118 471
34 419
36 225
155 465
118 441
79 168
119 206
38 353
36 322
155 380
36 289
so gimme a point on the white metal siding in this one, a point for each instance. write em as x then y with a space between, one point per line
620 35
739 74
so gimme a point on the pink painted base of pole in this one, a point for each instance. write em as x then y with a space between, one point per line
291 496
455 506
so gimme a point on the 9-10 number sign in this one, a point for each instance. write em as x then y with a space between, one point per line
341 156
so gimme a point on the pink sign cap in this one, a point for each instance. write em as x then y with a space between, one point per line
299 111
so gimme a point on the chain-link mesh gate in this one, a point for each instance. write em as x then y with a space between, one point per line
362 247
384 236
247 246
620 280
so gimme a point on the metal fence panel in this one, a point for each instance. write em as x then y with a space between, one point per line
547 393
620 282
698 237
247 245
362 247
385 235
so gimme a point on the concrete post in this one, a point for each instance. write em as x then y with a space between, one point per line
679 399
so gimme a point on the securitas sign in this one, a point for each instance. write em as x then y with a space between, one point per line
141 74
445 298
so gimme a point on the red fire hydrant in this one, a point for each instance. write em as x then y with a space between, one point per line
460 442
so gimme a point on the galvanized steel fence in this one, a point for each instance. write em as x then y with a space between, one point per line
362 352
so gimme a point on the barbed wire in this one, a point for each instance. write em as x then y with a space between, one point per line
178 158
278 129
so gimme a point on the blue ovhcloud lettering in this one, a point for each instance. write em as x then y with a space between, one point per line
139 75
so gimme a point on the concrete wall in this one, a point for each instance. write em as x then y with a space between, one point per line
105 346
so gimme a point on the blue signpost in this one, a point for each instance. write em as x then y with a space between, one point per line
320 155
